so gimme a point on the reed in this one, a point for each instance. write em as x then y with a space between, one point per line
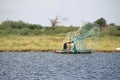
106 43
44 42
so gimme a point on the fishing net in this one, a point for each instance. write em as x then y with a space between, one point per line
86 38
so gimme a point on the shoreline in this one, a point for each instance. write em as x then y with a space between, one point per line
53 50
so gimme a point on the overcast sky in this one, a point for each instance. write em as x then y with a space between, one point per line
39 11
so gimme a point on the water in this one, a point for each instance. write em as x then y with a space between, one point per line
51 66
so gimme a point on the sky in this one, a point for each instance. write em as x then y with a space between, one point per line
70 12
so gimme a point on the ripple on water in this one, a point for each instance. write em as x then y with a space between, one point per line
51 66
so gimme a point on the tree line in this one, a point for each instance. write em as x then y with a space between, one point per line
21 28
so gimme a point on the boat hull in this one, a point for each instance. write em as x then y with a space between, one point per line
72 52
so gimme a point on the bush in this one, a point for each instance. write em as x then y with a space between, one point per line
101 22
10 31
25 31
13 24
36 32
114 31
118 28
111 30
33 26
18 25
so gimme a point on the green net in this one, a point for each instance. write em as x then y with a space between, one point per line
86 38
83 40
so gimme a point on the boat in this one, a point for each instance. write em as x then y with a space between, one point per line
72 52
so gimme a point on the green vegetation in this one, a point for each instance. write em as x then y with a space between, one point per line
101 22
44 42
20 36
20 28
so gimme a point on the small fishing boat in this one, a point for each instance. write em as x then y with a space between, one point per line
72 52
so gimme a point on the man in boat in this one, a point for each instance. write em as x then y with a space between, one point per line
67 46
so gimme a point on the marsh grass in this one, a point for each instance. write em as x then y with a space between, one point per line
105 43
44 42
30 42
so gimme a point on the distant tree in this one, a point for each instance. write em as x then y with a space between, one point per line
101 22
112 24
54 22
13 24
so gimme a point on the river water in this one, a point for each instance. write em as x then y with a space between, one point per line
52 66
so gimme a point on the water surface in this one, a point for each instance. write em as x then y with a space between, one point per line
51 66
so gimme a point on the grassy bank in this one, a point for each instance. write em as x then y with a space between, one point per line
30 43
21 36
51 43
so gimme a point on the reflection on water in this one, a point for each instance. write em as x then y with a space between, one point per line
51 66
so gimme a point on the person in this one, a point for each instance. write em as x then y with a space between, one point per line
65 46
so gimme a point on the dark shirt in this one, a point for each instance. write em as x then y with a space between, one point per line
65 46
